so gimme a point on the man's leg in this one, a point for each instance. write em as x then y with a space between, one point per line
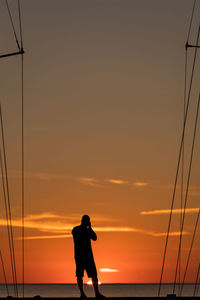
80 285
96 287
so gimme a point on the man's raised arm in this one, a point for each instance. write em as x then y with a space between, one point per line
93 235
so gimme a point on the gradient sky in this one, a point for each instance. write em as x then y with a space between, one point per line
103 117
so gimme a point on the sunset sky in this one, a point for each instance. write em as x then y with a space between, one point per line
103 119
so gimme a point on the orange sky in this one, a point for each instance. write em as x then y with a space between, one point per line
103 116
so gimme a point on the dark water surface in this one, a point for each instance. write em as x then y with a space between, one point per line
109 290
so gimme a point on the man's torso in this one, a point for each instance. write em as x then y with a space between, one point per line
82 243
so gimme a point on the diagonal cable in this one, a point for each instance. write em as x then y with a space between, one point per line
12 24
20 24
196 282
8 196
191 20
188 181
178 266
4 273
190 251
7 219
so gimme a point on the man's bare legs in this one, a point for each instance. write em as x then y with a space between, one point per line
80 285
96 287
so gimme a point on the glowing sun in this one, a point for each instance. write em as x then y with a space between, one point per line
90 282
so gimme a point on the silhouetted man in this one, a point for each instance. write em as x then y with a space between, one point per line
82 235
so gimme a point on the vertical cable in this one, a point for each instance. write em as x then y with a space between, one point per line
22 130
22 103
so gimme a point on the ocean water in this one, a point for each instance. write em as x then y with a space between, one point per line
109 290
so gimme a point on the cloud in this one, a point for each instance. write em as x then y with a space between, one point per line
45 176
52 223
46 215
89 181
39 175
44 237
46 226
72 217
108 270
157 234
140 184
116 181
67 235
97 182
167 211
116 229
60 226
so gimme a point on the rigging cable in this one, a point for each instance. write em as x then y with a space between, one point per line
178 163
188 181
178 266
12 24
8 196
191 20
22 131
4 272
22 82
196 282
182 168
7 219
20 24
190 251
197 288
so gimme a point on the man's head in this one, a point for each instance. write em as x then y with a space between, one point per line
85 221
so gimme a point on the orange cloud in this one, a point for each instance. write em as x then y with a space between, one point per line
108 270
177 233
116 181
89 181
97 182
45 223
46 215
167 211
140 184
41 237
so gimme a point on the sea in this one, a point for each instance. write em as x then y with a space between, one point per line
109 290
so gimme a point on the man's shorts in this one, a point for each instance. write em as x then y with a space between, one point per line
87 265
